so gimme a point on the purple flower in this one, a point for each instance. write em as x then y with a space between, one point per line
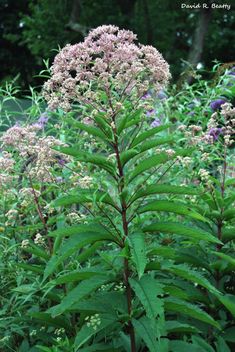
232 72
61 161
216 104
146 96
215 133
150 112
41 122
156 123
59 179
161 95
43 119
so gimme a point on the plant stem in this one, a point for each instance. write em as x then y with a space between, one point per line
127 273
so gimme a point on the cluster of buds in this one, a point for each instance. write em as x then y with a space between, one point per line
39 239
204 175
93 321
24 243
59 331
11 217
33 333
76 217
85 182
170 152
184 161
120 287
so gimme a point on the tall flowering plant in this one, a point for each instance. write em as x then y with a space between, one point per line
111 275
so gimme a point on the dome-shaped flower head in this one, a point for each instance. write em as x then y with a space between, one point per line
106 66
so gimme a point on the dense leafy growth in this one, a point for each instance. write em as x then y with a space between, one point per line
117 212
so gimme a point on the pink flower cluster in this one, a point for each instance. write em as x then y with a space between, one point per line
35 151
108 61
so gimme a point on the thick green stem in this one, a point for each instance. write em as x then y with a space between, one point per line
125 230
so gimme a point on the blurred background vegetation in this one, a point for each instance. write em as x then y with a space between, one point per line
33 30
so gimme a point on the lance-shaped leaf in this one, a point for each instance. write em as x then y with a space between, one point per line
95 159
138 251
178 229
72 245
171 207
175 326
147 289
146 331
85 196
92 130
88 331
228 234
82 290
46 319
164 189
131 153
156 160
228 301
182 346
145 135
149 163
191 275
185 308
226 257
77 275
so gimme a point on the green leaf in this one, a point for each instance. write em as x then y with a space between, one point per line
92 130
79 292
84 196
148 163
99 347
72 245
77 275
178 229
102 302
221 345
101 121
198 341
95 159
181 346
88 252
175 326
163 251
38 252
228 234
172 207
185 308
46 319
81 228
226 257
131 153
146 331
191 275
230 182
154 143
229 214
138 252
145 135
147 289
229 334
229 302
87 332
164 188
34 268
